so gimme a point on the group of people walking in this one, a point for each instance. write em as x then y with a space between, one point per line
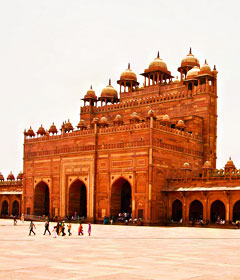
59 229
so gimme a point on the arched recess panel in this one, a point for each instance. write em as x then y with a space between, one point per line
121 197
77 199
41 199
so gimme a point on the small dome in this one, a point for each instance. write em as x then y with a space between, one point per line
166 118
68 126
230 164
10 177
118 117
180 123
30 132
157 63
151 113
193 72
109 91
207 165
20 176
81 124
190 60
103 120
41 131
53 129
1 177
205 68
186 165
90 94
95 120
128 75
134 115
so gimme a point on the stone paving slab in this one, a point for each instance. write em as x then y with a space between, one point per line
119 252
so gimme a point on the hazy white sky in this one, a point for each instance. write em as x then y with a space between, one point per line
51 51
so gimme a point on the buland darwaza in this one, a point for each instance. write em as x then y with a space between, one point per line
149 151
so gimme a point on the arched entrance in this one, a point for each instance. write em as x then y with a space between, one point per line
41 199
196 211
217 211
4 208
77 203
236 211
121 197
15 208
177 210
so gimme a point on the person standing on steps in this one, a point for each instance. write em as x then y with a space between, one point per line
47 228
31 226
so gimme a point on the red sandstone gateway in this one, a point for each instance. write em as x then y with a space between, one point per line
147 154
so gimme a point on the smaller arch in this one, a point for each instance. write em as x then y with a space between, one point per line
236 211
217 211
177 210
4 210
196 211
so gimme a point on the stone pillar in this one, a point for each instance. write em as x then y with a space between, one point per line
184 208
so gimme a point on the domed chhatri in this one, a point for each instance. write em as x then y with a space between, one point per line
53 129
193 73
81 124
30 132
1 177
205 68
10 177
128 75
157 73
180 123
157 64
41 131
103 122
20 176
128 80
68 126
190 60
109 91
230 164
90 94
118 120
207 165
109 94
186 166
187 64
166 118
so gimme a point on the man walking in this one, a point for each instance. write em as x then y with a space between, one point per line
47 228
31 226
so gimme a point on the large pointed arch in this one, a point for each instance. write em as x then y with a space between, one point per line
121 197
77 199
41 199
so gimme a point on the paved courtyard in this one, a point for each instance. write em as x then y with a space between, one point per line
119 252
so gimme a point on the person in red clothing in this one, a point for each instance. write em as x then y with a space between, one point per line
80 229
